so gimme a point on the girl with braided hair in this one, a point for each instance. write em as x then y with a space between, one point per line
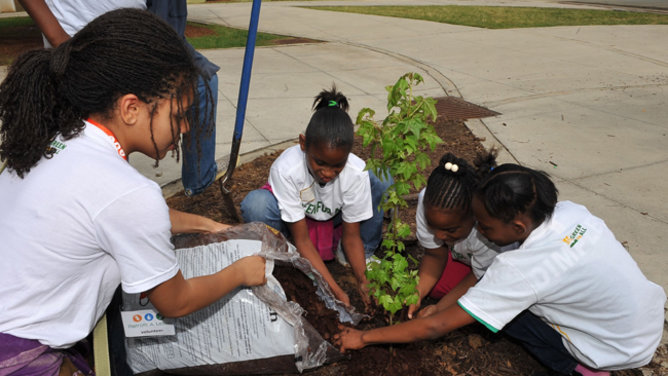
445 229
77 219
568 292
319 194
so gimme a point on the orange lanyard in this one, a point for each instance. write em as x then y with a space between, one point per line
112 138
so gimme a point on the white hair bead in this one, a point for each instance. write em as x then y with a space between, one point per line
451 167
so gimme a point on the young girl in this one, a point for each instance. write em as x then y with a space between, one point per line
570 292
444 221
318 192
77 219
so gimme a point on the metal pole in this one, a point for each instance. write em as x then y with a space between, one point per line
241 108
243 94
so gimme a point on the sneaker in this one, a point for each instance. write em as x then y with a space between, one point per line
586 371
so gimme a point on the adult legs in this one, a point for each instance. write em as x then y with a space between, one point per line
198 170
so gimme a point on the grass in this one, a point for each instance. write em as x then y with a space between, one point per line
21 33
506 17
15 22
225 37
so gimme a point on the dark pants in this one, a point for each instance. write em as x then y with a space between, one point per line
541 341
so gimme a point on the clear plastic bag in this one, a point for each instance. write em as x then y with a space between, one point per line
309 349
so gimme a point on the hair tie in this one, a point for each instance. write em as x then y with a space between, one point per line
449 166
333 103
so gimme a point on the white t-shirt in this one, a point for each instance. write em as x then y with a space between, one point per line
72 229
574 274
300 196
73 15
474 250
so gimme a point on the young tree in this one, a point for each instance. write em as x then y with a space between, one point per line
398 147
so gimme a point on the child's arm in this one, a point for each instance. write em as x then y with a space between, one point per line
354 249
450 299
431 267
409 331
46 21
178 296
306 249
187 222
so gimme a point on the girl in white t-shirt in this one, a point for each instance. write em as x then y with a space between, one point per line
77 219
445 229
570 292
319 193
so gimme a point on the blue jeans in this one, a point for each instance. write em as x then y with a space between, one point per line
541 341
261 205
198 171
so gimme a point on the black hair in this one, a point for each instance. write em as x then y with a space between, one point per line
330 124
50 92
511 189
450 187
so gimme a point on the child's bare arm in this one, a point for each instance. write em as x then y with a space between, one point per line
431 267
178 296
306 249
450 299
354 249
409 331
187 222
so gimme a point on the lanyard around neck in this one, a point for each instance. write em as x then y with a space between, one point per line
111 137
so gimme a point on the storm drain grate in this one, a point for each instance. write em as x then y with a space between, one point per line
453 108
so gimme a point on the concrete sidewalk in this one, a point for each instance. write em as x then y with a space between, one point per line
587 104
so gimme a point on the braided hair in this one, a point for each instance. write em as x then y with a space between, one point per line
453 182
49 92
330 124
512 189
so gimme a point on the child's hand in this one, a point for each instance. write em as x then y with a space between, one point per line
427 311
349 339
251 270
341 295
218 227
413 308
363 289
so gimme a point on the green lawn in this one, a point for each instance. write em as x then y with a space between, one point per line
506 17
225 37
20 34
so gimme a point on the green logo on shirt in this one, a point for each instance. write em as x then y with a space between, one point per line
56 147
575 236
318 207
